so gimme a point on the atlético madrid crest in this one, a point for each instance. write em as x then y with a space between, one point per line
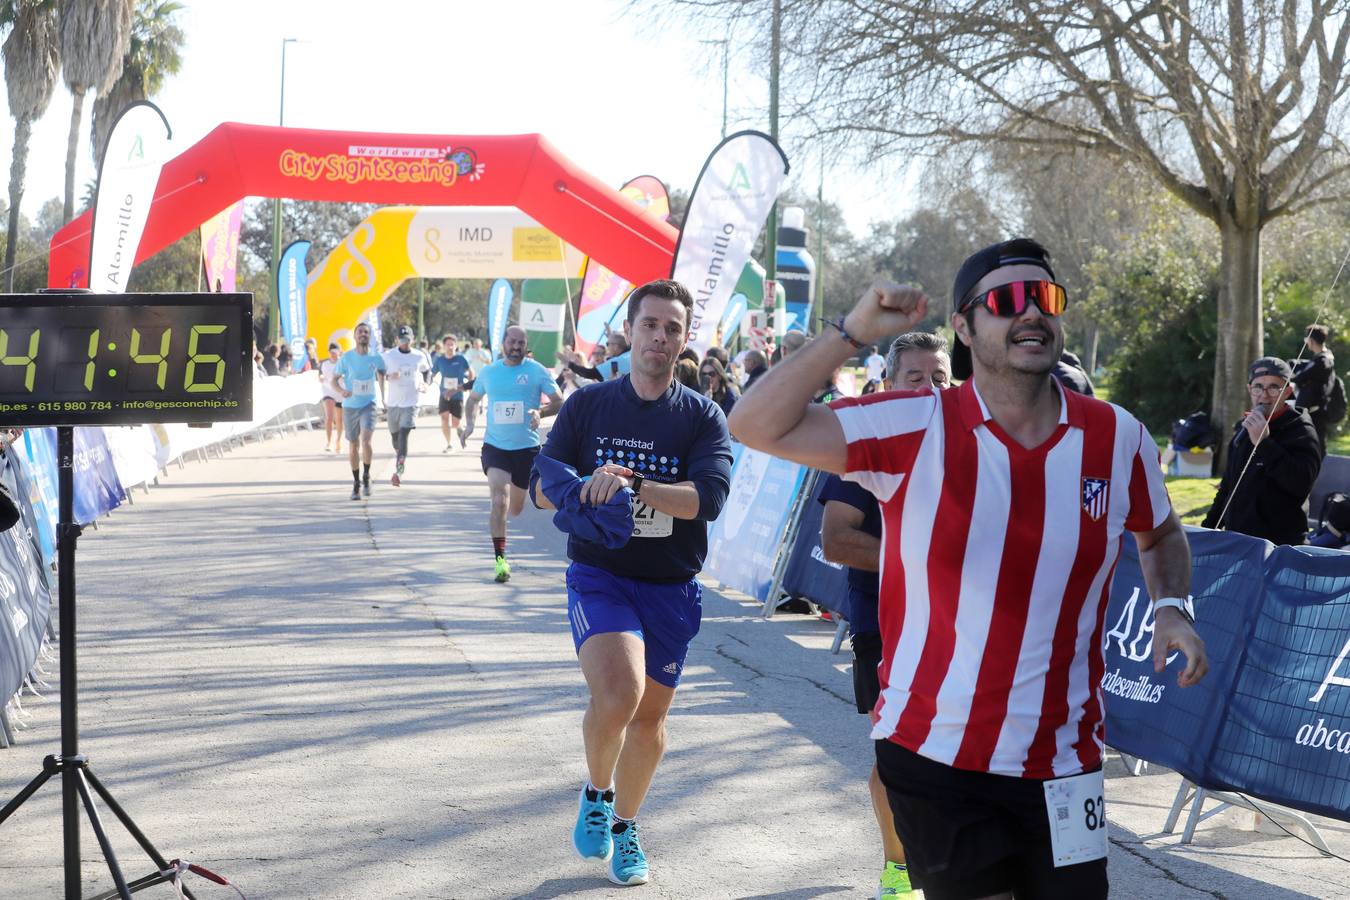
1096 494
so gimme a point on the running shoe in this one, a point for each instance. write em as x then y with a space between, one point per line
591 836
356 492
448 448
503 570
393 479
629 863
894 881
398 465
396 478
365 488
463 438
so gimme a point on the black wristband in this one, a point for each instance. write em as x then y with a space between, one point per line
635 484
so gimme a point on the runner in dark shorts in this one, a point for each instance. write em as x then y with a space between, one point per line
514 386
974 834
517 462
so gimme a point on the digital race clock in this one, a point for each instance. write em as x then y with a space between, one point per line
125 359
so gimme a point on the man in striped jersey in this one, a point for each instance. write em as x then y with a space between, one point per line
1004 503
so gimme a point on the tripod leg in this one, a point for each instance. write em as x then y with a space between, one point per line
130 826
97 824
24 794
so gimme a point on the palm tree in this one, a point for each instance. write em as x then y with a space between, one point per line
155 53
31 64
95 35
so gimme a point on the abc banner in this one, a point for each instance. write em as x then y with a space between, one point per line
499 308
602 291
543 309
731 199
127 177
291 282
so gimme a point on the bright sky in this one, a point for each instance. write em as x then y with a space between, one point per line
616 97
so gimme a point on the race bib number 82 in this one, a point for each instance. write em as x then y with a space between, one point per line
1077 809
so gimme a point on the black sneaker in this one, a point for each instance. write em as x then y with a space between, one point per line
365 488
356 492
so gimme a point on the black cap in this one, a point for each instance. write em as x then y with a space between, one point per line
405 332
1017 252
1269 365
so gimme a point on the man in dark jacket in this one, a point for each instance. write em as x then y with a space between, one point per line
1070 373
1313 380
1267 501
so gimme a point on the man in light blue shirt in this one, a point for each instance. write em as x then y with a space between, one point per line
356 375
514 386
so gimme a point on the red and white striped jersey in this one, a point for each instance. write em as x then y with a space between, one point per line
996 562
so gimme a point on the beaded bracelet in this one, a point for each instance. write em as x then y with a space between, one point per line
838 325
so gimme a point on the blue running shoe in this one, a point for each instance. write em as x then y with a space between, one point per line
629 865
591 835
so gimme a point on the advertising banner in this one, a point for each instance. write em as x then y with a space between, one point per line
602 290
519 171
135 454
732 318
796 269
743 542
396 243
97 490
25 594
39 446
730 201
291 282
543 311
128 175
220 248
809 574
499 308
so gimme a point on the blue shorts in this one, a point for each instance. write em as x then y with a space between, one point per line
664 616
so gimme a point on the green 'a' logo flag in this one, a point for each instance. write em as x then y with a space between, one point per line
740 180
137 150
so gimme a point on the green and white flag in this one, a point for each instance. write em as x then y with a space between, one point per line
127 177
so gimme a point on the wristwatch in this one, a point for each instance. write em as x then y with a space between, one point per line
1174 603
635 484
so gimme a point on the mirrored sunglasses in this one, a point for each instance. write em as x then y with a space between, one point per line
1011 300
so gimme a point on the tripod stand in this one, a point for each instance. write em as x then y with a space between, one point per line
76 777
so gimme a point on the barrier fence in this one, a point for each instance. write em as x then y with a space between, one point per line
1271 720
108 463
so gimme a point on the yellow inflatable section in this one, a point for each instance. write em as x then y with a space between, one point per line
399 242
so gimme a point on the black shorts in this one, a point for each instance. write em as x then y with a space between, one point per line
517 462
973 834
454 405
866 681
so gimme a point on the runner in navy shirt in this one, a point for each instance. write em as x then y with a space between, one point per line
634 610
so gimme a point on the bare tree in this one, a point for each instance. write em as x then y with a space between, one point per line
31 66
1233 107
95 36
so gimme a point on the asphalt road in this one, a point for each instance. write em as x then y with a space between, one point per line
321 698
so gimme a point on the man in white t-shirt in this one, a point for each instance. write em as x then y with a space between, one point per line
405 366
875 364
478 357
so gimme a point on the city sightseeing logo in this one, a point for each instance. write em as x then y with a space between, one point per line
402 165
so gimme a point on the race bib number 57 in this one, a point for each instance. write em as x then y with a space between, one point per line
1077 810
508 412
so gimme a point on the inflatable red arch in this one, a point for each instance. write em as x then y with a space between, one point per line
524 170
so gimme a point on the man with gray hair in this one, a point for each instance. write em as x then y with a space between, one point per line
916 360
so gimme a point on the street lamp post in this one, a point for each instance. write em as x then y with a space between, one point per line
274 313
726 66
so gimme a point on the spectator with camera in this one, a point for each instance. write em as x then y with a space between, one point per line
1314 379
1273 461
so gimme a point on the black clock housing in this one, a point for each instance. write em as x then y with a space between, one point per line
125 359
